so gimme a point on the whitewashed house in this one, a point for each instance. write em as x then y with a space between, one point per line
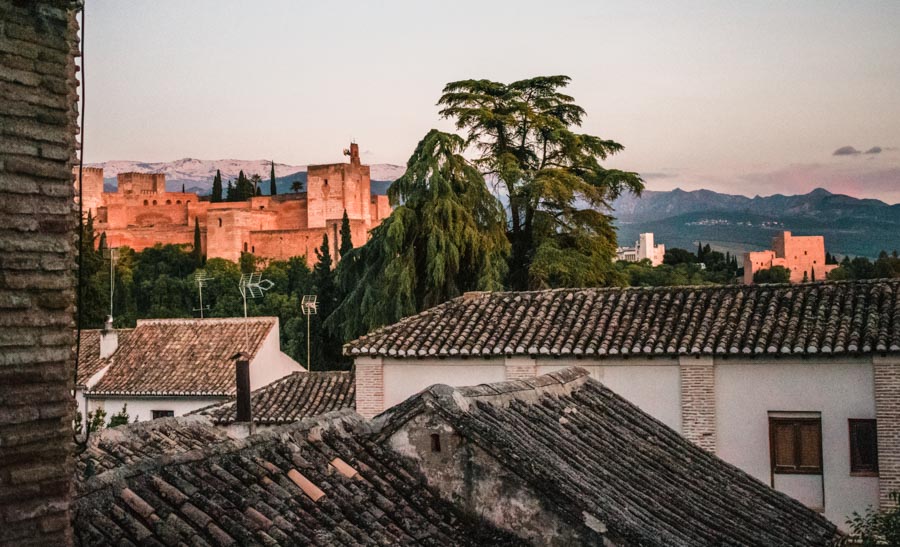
170 367
799 385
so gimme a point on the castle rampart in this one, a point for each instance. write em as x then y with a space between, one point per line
141 213
804 256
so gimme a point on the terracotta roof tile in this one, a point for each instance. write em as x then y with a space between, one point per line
294 397
182 356
89 362
257 491
590 453
799 319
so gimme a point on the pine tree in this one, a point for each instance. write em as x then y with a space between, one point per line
272 189
346 241
217 188
197 251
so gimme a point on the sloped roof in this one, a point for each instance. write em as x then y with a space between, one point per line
799 319
144 441
89 361
286 486
294 397
182 356
593 454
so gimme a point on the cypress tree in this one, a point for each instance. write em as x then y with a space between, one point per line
197 252
812 272
699 251
346 241
272 190
217 188
231 195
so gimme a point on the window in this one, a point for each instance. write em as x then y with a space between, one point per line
796 445
863 447
146 203
435 442
162 413
220 223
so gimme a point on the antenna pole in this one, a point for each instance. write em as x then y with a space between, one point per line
308 364
201 300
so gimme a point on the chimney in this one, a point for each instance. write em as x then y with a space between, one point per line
109 339
242 370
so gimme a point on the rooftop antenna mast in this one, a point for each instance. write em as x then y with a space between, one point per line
112 254
309 307
200 278
252 285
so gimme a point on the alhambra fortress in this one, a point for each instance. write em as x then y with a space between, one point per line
141 213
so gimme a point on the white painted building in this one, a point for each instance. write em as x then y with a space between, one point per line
171 367
777 380
644 249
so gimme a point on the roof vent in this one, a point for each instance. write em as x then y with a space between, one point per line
109 339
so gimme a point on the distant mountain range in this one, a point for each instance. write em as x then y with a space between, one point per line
197 175
851 226
733 223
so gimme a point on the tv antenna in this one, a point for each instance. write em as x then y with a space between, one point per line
309 307
200 278
111 254
252 285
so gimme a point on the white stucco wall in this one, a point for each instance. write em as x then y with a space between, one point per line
840 389
271 363
651 384
403 378
141 408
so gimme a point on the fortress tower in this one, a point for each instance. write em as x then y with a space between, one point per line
141 213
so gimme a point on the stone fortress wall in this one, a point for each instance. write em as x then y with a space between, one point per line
141 213
799 254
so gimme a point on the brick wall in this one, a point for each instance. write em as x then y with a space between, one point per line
369 386
37 125
698 401
887 414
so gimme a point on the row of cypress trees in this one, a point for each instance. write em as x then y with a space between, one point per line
243 189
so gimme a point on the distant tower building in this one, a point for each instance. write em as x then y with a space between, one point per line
644 248
804 256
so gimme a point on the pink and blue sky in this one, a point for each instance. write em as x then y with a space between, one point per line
740 97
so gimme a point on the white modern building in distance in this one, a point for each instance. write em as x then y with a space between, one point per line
644 248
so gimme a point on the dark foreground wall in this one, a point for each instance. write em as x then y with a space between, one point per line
37 227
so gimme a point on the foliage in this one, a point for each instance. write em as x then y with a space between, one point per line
860 267
119 418
874 529
296 186
775 274
243 189
676 256
346 236
94 275
643 274
272 189
560 231
445 236
216 196
197 248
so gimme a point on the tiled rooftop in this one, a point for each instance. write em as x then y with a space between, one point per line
181 356
800 319
317 482
89 362
294 397
587 451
